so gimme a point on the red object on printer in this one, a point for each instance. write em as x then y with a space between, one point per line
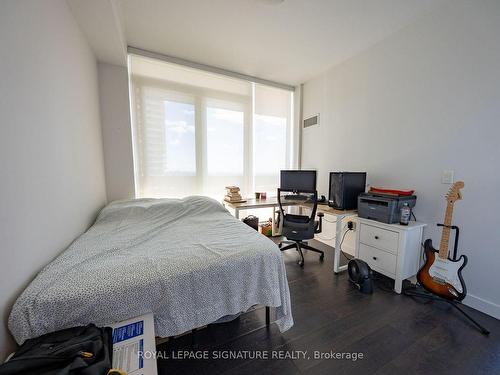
401 193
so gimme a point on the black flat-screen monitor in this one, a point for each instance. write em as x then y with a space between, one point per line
298 181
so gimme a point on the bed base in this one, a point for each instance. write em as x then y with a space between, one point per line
194 332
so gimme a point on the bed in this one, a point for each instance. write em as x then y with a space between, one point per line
188 261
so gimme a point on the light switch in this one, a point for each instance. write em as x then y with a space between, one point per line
448 176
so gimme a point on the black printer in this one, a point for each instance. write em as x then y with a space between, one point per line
382 207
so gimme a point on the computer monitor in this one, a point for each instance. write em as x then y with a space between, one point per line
298 180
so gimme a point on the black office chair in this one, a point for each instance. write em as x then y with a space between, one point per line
298 228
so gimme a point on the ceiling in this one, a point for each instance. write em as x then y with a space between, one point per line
102 23
286 41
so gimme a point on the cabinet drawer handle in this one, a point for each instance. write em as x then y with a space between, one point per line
376 237
374 258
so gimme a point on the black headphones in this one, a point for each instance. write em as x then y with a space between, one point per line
361 275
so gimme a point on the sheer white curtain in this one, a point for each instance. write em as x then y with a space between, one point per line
272 134
196 132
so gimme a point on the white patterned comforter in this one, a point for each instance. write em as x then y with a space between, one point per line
186 260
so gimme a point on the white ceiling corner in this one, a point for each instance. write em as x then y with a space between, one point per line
287 42
101 21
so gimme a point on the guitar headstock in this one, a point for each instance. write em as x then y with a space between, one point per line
454 193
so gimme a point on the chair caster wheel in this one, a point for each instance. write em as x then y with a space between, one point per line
280 245
322 257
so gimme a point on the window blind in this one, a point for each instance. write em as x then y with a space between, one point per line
196 132
272 133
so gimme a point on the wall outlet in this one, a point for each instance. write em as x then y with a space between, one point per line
448 176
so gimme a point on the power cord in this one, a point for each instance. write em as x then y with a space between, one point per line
329 221
382 283
349 258
385 284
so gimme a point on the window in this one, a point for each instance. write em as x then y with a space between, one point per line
272 134
196 132
224 137
269 152
180 149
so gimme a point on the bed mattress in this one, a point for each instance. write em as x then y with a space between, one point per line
188 261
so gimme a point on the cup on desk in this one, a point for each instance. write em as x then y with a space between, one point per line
260 195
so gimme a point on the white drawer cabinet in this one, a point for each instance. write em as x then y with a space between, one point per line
391 249
387 240
380 260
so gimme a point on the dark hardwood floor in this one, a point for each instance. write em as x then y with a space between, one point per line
396 334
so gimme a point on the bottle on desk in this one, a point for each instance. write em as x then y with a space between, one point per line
405 213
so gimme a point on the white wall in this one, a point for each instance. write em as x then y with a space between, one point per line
424 100
51 162
116 131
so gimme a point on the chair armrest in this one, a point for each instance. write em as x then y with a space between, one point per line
320 223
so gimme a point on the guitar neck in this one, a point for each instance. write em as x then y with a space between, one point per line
445 237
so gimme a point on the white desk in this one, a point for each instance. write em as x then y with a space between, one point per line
273 202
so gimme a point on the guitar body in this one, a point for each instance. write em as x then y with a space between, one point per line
442 277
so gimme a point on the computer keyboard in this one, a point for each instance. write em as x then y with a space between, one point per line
296 197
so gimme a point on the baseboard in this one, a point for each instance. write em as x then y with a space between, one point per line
482 305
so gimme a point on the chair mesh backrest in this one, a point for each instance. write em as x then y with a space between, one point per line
308 199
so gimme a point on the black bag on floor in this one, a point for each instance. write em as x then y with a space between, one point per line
79 350
252 221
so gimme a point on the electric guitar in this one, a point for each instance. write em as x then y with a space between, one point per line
441 275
